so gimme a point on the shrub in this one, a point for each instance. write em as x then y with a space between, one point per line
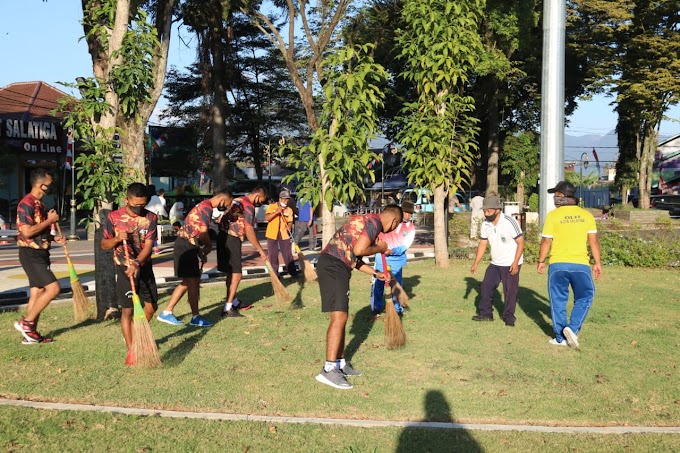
659 248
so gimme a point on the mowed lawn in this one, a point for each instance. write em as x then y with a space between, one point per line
452 369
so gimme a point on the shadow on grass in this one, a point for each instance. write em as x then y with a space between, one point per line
444 438
361 327
87 322
410 283
537 308
473 285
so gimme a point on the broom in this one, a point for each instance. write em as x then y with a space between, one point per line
81 303
144 349
280 291
307 267
395 337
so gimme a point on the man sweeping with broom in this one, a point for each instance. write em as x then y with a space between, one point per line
352 241
398 241
131 233
33 239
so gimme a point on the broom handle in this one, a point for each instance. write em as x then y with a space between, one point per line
68 258
127 258
292 239
388 277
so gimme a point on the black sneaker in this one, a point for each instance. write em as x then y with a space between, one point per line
482 318
232 313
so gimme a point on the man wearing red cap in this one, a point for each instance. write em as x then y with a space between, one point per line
567 232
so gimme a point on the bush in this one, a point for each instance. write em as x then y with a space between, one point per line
631 248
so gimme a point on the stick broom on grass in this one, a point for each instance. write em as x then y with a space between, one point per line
307 268
280 291
81 303
395 337
144 349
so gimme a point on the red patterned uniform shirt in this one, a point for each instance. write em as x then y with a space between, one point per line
199 216
341 246
139 229
240 214
31 211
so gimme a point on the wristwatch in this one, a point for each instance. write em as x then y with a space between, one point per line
375 274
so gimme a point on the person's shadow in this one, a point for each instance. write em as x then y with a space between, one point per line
361 328
410 284
439 432
537 308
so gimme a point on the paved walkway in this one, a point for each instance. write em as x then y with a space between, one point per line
14 283
341 421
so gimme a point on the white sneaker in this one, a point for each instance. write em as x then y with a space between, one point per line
554 342
571 337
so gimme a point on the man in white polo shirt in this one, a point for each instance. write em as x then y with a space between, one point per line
505 237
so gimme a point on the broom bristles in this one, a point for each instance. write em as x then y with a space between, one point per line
400 294
307 268
81 303
280 291
144 348
395 337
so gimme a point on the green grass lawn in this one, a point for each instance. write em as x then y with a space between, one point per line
452 368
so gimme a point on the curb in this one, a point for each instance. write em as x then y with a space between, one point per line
12 299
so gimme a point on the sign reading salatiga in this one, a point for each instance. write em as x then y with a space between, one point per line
33 136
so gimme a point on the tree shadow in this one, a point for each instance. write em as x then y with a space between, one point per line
361 328
537 308
442 435
472 284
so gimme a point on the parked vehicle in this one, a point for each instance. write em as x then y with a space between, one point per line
423 199
670 203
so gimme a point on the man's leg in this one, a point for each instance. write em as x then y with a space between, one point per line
584 293
126 326
492 278
300 228
335 336
194 290
397 273
234 280
510 290
287 253
42 300
177 294
312 237
273 254
558 292
377 296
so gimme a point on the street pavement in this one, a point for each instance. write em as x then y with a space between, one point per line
14 283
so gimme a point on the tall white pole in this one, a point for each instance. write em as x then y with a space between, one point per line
552 102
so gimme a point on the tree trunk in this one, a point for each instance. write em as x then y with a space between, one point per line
328 220
219 107
520 192
132 148
441 251
492 163
647 164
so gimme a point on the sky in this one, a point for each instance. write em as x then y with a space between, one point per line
40 40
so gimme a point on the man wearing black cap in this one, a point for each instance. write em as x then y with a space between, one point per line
398 241
280 217
505 237
567 232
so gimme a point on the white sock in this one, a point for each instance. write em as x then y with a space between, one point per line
167 312
340 363
329 366
227 306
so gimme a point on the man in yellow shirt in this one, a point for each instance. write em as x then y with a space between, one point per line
568 230
280 217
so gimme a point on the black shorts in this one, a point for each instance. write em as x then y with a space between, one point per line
334 279
187 262
145 285
36 264
228 253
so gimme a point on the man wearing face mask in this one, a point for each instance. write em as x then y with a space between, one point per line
505 237
398 242
192 247
280 217
133 227
352 241
33 239
567 232
237 223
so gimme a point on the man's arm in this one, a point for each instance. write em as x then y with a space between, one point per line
481 249
30 231
363 247
366 269
514 268
543 253
595 250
